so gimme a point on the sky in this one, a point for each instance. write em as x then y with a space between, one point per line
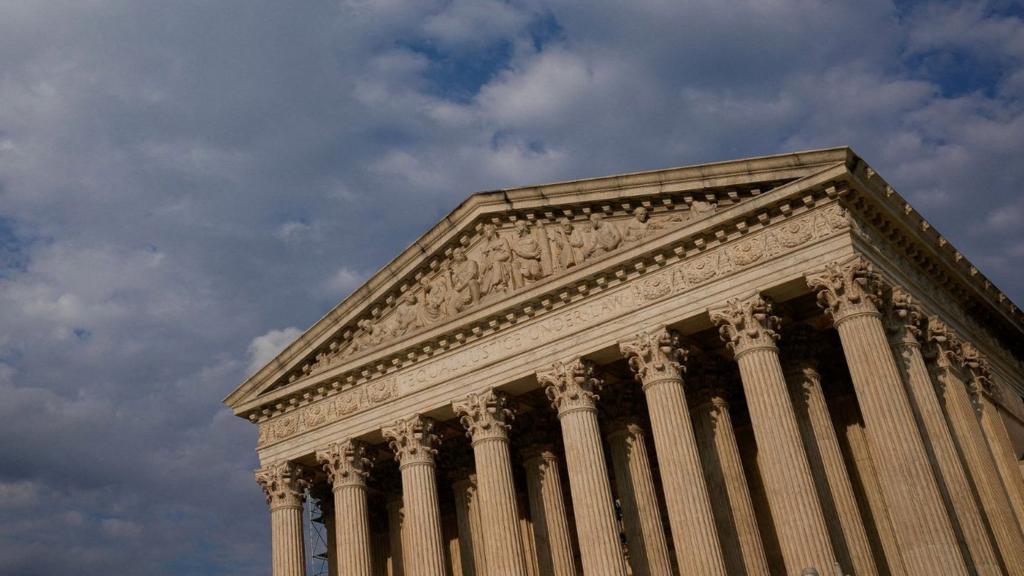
187 185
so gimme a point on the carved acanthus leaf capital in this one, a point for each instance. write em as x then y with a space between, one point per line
980 370
571 386
655 356
904 318
846 289
412 440
746 325
946 344
346 463
284 484
485 415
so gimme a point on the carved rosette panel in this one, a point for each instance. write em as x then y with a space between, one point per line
346 463
746 325
412 440
485 415
571 386
284 484
846 289
904 319
655 356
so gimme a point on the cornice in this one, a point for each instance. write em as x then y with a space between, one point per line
906 232
533 203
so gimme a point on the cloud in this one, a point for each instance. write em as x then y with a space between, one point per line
175 190
264 348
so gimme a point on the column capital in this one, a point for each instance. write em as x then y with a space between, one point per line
655 356
485 415
346 463
904 319
284 484
846 289
746 325
980 371
571 386
946 344
413 440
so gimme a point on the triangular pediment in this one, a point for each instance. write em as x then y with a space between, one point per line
496 247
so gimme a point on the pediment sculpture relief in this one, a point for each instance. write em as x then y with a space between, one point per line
500 262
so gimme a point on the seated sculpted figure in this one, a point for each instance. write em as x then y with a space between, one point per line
527 252
603 237
406 316
568 244
463 275
640 226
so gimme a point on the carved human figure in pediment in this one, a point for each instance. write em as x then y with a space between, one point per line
434 304
700 208
568 244
370 333
641 226
603 237
464 278
496 275
527 253
406 317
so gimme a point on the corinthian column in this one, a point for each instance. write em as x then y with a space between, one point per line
657 360
396 535
992 426
730 495
413 441
487 418
547 510
347 467
838 502
645 535
849 292
571 387
905 322
285 486
967 434
749 331
467 516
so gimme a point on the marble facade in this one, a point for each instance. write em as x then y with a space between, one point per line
765 366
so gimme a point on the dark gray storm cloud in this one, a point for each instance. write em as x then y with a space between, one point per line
186 185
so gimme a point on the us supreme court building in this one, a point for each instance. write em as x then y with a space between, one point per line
764 366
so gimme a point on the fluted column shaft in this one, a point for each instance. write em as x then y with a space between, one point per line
658 361
1002 450
467 516
748 328
727 486
905 322
413 442
486 419
284 485
529 538
347 467
830 475
995 502
925 534
570 387
858 456
645 535
547 509
396 536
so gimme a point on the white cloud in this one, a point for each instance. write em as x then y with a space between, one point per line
264 348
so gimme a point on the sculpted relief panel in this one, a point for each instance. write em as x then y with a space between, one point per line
500 262
674 279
